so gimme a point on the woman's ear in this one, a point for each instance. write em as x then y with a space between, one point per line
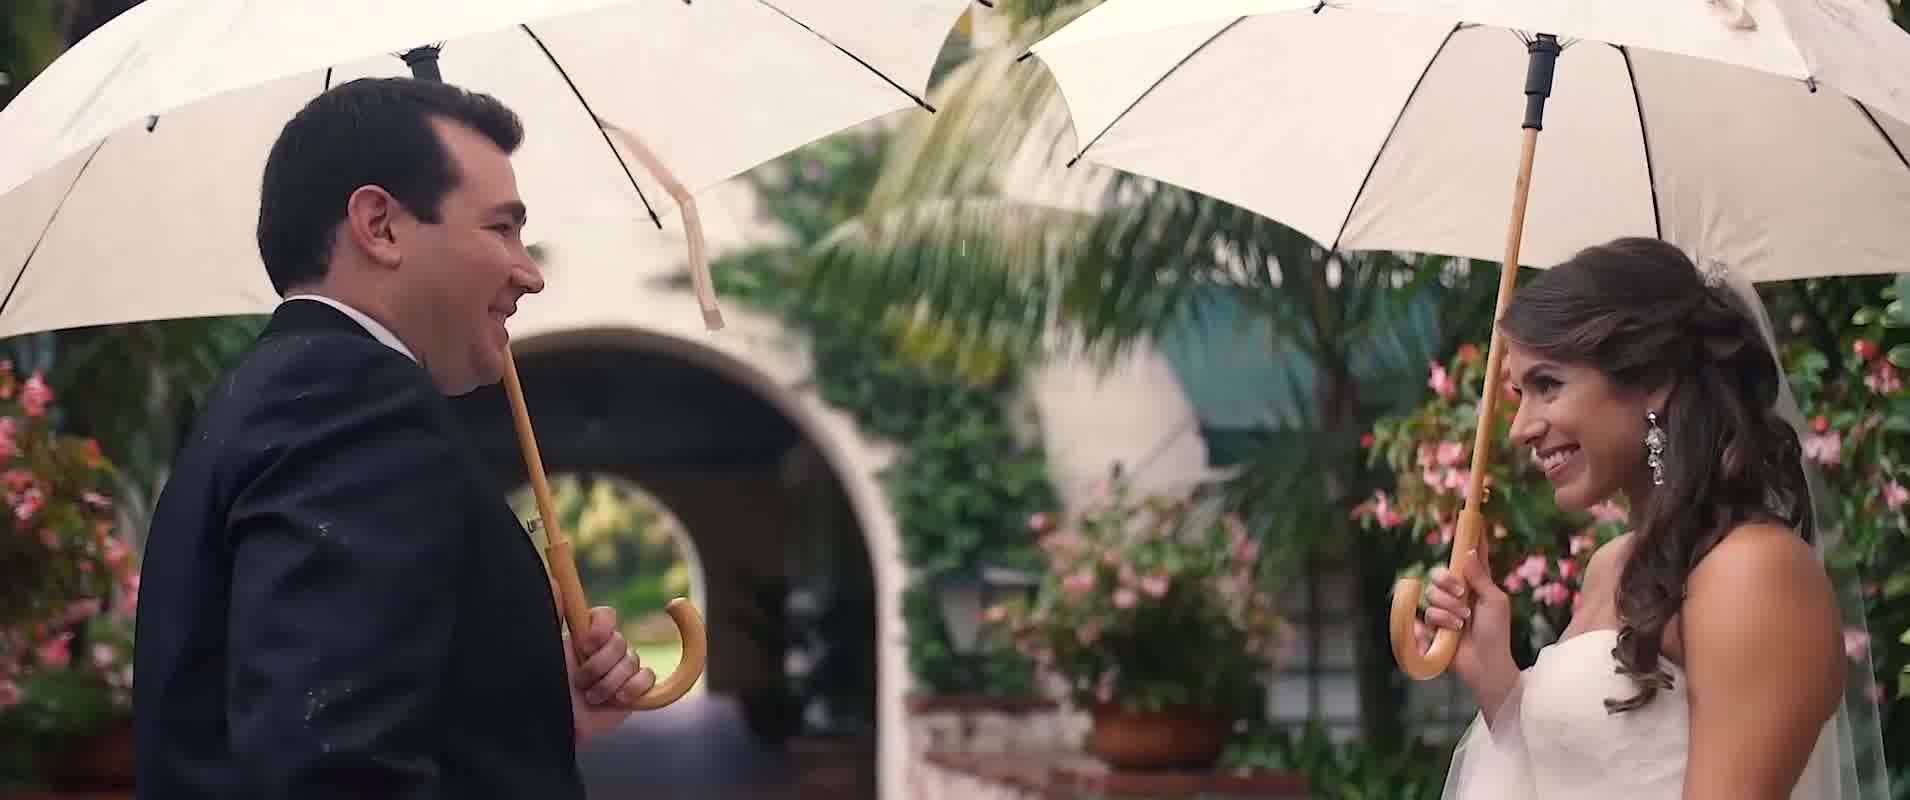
1656 398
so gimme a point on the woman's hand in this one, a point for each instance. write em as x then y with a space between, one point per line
1469 602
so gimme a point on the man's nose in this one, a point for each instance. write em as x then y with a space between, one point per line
529 276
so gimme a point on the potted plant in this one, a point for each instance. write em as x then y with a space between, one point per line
65 618
1155 616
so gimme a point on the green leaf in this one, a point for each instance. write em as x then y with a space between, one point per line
1863 316
1899 355
1897 585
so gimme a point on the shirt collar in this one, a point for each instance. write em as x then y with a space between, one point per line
378 331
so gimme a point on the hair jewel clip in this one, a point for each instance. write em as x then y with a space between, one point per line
1714 272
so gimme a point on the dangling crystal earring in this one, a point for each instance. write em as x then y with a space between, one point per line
1655 448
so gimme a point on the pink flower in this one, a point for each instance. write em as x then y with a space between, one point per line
8 447
29 503
1454 479
1062 548
1040 522
1883 377
1451 454
1532 570
10 694
55 652
1440 381
1825 448
1088 634
1553 594
1383 509
1246 551
1894 495
1428 454
1567 568
116 552
1513 583
1079 583
1441 537
1856 642
104 655
129 597
1608 511
1155 586
35 396
1380 508
1104 687
995 615
1125 598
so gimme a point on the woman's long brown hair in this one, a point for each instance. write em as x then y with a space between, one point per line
1640 312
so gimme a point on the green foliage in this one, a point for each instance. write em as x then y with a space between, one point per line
625 545
1355 770
966 479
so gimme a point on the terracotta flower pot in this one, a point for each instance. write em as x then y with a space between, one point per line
97 762
1172 738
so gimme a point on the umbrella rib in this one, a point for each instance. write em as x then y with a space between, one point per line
1151 87
845 51
1644 137
1380 152
594 122
1894 148
48 228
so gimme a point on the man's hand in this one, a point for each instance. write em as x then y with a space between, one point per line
608 677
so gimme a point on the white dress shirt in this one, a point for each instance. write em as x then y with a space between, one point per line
379 332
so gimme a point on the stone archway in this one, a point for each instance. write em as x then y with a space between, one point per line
749 467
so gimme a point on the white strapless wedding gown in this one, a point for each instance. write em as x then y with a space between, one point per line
1558 742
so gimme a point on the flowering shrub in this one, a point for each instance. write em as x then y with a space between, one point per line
1858 425
1149 603
1858 418
71 582
1539 549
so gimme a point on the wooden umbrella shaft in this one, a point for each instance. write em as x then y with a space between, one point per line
423 62
1471 533
563 564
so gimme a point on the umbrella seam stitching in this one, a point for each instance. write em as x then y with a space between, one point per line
1644 137
852 56
20 276
595 121
1380 153
1155 85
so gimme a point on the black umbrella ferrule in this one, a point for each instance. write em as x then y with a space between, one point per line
423 62
1544 51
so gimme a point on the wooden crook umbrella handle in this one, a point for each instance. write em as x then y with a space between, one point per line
563 567
1472 523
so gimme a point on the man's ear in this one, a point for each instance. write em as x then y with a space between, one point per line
371 216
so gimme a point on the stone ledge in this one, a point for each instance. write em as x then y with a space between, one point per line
1074 776
973 703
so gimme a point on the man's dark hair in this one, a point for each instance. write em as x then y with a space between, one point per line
373 131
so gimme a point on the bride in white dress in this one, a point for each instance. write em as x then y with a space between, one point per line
1706 659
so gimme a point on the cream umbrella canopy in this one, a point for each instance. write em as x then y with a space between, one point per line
129 184
1763 135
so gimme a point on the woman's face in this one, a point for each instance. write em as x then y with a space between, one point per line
1583 430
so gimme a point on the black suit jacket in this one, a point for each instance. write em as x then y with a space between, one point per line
335 599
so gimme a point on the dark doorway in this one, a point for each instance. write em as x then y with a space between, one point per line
789 705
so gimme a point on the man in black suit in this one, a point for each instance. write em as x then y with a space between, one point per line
336 601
